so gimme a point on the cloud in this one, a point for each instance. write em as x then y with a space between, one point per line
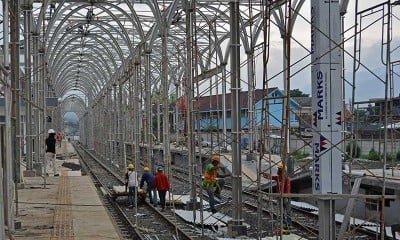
369 75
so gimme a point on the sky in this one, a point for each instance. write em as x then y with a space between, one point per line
367 85
369 76
70 116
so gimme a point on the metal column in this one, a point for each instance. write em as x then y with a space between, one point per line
327 108
6 139
149 115
189 95
27 9
236 227
165 97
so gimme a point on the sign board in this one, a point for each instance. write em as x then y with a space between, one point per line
327 95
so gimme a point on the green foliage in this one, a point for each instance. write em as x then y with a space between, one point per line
299 155
297 93
356 150
373 155
398 156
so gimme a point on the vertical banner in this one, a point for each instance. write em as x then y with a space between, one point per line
327 95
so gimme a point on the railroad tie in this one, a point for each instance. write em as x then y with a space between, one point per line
63 223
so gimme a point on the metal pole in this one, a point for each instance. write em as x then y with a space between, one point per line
343 11
138 110
91 121
11 168
286 101
136 123
158 104
2 157
44 88
121 117
224 131
109 124
176 123
124 127
36 87
385 148
165 96
15 65
189 94
114 105
6 140
27 9
148 124
236 227
251 87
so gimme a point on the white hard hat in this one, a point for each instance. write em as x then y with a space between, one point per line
51 131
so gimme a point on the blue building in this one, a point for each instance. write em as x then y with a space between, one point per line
210 110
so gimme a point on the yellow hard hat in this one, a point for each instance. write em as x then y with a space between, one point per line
146 169
130 166
215 158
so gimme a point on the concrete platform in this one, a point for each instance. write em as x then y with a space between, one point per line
249 169
64 207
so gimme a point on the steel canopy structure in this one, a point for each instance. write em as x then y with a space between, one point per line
124 67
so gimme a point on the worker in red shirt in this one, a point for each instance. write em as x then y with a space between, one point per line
161 183
282 186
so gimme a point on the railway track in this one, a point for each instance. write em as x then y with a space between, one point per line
142 222
304 221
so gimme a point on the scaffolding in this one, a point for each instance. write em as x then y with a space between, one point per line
206 75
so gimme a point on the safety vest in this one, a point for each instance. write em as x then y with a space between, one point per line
210 177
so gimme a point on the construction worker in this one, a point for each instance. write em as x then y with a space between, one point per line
149 179
282 186
131 184
59 139
162 185
51 151
211 183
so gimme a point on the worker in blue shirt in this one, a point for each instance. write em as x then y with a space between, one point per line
149 179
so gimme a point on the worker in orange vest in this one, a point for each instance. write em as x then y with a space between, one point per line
211 183
59 139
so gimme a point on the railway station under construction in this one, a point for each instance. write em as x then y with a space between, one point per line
304 86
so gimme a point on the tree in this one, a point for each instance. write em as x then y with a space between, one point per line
373 155
297 93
